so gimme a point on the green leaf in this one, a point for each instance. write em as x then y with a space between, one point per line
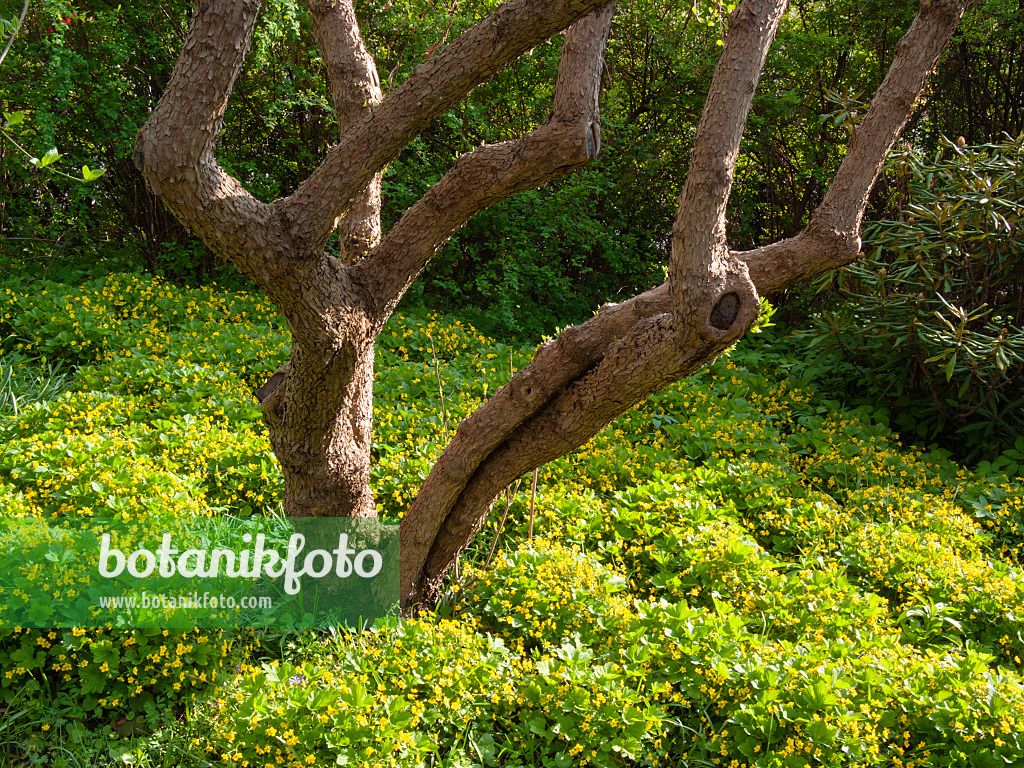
88 174
12 119
821 733
51 157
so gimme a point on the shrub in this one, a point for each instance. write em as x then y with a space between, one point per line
932 314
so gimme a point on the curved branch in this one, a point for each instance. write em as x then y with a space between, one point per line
832 238
569 139
555 366
512 29
175 148
648 359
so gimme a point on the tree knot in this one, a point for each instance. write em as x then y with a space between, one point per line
724 313
276 380
523 387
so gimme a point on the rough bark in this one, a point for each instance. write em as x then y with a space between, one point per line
175 148
650 354
318 407
712 294
513 434
355 91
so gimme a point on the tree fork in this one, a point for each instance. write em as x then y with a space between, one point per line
466 483
655 351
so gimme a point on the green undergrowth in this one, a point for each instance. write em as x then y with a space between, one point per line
737 572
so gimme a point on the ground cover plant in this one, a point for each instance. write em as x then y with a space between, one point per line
738 572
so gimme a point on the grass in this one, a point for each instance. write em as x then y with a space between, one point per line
24 381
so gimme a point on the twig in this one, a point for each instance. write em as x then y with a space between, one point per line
497 534
444 424
14 34
437 372
509 495
533 499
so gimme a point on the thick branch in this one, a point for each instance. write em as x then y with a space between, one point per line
832 238
586 377
175 148
514 28
351 71
569 139
355 91
633 368
555 365
701 270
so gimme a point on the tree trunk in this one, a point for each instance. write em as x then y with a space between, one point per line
320 424
318 408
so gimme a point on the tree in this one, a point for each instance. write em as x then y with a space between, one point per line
318 407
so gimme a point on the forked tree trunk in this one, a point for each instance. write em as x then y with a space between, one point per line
318 407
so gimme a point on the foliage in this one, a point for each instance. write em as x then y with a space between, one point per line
89 73
24 381
52 156
932 320
546 590
971 94
74 676
737 570
12 120
740 571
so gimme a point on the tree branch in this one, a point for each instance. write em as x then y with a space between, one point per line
712 294
355 91
514 27
569 139
175 148
632 368
832 238
594 372
351 71
555 366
